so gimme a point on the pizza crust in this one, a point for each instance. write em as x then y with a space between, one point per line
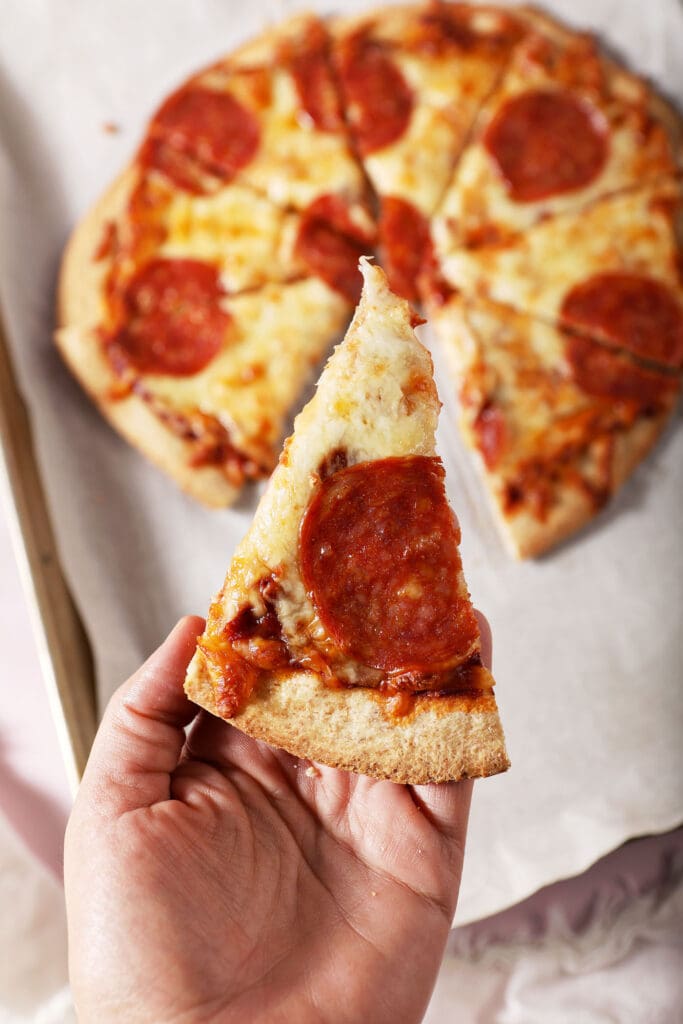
81 280
528 537
447 88
477 208
263 50
444 739
250 387
637 231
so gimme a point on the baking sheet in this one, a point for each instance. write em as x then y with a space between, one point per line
588 653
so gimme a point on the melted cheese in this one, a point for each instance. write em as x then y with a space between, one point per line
417 166
518 366
518 363
448 88
276 339
296 162
633 232
375 399
248 237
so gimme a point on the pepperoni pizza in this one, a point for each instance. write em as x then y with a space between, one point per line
522 184
344 630
611 270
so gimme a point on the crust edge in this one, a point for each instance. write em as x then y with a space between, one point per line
348 730
78 313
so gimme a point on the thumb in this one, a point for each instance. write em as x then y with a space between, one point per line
139 740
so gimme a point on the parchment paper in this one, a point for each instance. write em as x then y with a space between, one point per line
588 651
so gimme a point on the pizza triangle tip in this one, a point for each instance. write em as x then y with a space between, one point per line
344 631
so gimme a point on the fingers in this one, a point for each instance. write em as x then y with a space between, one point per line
447 806
142 733
215 742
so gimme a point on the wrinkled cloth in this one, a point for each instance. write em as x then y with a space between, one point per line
33 970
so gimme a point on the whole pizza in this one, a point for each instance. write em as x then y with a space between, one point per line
508 175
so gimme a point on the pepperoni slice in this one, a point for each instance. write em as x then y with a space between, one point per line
546 143
200 131
632 311
331 246
379 557
378 92
407 245
312 73
174 324
607 374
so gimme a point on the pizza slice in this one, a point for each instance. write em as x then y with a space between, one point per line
181 314
413 78
611 271
200 380
565 127
557 421
344 630
267 117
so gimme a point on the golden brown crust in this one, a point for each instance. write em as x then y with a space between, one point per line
528 536
263 50
79 312
395 22
81 275
444 739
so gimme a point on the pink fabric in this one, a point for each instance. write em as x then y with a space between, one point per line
641 866
34 793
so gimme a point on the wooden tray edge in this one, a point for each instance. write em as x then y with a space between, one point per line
63 646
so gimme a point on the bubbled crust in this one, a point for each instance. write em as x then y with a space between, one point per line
376 399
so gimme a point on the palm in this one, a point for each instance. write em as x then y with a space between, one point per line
271 890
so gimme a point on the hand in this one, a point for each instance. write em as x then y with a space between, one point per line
216 879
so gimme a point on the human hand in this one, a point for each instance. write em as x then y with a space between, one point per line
215 879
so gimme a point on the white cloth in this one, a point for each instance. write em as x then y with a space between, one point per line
33 971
